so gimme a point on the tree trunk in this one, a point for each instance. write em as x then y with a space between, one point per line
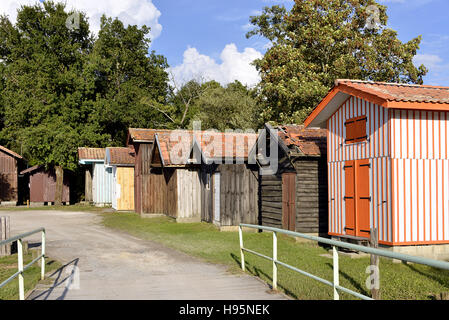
59 185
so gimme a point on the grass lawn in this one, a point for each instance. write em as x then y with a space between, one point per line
8 266
398 281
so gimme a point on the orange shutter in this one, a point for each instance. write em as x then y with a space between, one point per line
363 198
349 197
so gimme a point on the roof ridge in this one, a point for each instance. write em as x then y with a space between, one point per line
393 84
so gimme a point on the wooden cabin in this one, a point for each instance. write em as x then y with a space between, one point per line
98 177
121 161
229 182
173 179
142 141
10 165
42 186
388 164
293 178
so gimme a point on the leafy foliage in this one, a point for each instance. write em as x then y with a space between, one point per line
318 42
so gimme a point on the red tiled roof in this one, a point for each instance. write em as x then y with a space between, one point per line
120 156
400 92
146 135
12 153
219 145
387 95
311 142
214 145
91 153
168 140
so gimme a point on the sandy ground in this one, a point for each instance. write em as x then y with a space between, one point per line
101 263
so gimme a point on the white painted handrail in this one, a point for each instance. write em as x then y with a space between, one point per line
21 268
335 244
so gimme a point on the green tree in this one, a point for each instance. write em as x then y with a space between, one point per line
230 107
320 41
130 83
46 89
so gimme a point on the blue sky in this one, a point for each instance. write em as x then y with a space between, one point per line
205 39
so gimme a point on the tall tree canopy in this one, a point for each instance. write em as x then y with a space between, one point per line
229 107
319 41
126 77
62 88
46 90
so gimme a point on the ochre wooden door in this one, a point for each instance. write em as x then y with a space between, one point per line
288 201
357 198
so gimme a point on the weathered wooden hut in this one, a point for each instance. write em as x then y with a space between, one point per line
293 178
388 163
10 165
98 177
142 141
42 185
229 182
173 183
121 161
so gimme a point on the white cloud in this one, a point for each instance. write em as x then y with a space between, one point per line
438 69
134 12
429 60
234 65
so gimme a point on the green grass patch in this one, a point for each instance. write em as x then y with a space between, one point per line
8 266
203 240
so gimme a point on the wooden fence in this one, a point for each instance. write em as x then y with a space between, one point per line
5 250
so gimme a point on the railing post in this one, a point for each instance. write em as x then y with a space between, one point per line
275 258
43 256
20 267
242 254
336 272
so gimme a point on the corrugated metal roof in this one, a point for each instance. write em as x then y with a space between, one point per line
12 153
29 170
91 153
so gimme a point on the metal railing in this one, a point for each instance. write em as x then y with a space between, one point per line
335 283
21 268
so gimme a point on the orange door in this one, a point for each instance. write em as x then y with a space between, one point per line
363 198
350 197
357 198
288 201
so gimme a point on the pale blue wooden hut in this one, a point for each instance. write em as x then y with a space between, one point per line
98 181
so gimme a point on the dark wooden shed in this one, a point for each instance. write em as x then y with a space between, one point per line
10 165
143 140
42 185
229 182
293 195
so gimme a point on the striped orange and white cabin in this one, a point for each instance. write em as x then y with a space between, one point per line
406 147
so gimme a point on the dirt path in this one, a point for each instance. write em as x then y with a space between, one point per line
113 265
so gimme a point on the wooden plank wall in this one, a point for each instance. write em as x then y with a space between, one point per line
311 196
271 200
154 192
8 178
125 179
171 191
239 194
189 193
206 194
